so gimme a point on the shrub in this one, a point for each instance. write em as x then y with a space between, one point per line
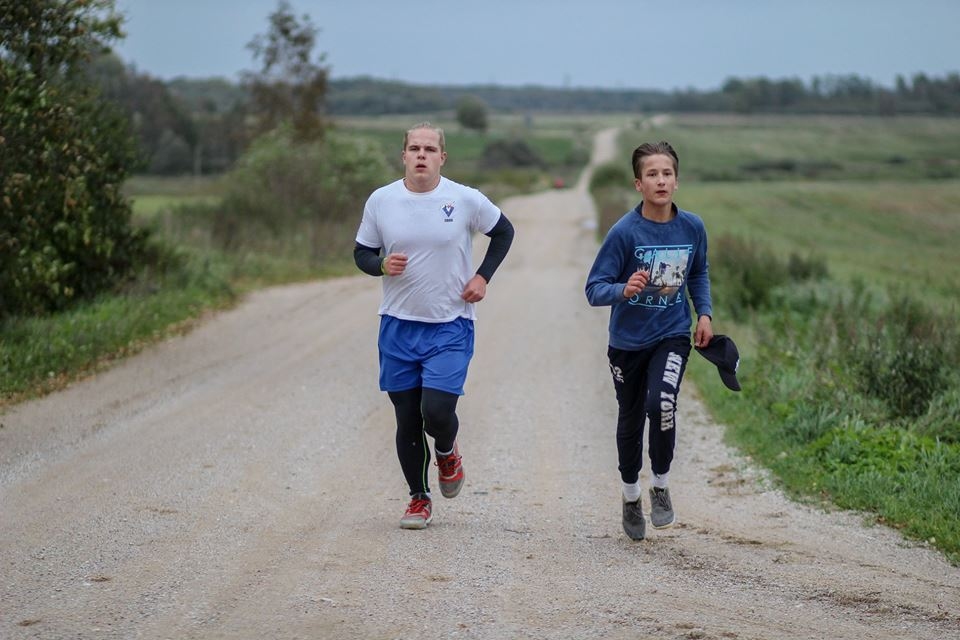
942 420
576 157
65 228
515 153
776 168
610 175
611 205
810 268
172 155
903 356
746 275
472 113
869 449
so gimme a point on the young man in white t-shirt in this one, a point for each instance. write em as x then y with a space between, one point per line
424 225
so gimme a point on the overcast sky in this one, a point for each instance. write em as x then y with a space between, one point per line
633 44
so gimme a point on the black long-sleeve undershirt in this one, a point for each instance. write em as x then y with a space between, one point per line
501 235
368 259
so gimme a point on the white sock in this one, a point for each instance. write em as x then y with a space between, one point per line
631 491
660 480
444 453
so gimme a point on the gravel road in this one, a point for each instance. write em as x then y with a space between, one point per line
241 482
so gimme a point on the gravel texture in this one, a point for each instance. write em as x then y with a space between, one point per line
241 482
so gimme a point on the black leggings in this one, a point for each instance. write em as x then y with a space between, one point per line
647 384
422 412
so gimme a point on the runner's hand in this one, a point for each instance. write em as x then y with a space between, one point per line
394 264
704 332
476 289
636 283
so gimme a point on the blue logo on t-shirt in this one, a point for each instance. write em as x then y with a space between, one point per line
448 211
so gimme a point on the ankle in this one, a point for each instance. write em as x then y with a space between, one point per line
659 480
631 491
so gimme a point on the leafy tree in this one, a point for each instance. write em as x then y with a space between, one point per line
472 113
290 85
165 132
217 110
510 153
65 228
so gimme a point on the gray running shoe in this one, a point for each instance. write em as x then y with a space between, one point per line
633 523
661 509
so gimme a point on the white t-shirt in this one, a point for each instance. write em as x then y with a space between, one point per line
435 230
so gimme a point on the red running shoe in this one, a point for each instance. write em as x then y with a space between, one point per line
451 473
419 513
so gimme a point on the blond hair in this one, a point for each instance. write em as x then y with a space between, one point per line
424 125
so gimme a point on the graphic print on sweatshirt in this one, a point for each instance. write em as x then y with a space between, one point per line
667 266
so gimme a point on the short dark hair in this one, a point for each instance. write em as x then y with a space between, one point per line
661 148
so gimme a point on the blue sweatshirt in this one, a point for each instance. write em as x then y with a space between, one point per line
674 253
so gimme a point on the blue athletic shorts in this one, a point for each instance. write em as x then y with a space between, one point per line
434 355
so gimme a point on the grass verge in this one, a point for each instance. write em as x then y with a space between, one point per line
831 257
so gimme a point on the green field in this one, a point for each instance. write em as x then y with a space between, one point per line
851 380
152 195
751 148
901 234
887 225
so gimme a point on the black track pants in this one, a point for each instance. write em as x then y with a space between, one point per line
647 384
420 413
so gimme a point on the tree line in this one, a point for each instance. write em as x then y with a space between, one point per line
201 125
843 94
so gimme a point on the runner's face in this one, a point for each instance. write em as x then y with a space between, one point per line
657 180
422 159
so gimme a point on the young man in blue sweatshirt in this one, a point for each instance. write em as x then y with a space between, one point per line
649 262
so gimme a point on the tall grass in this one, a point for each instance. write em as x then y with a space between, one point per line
41 354
846 402
833 263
